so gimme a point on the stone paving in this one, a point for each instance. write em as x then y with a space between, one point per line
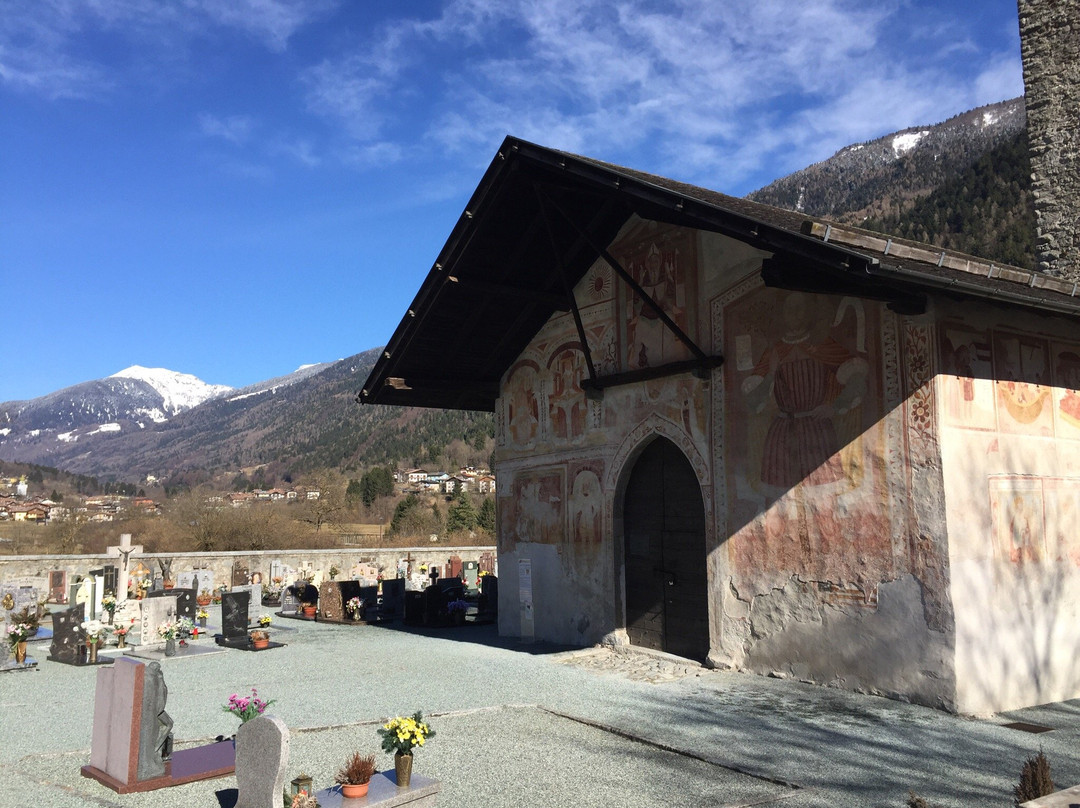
535 725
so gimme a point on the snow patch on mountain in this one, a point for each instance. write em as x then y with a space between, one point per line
907 141
179 391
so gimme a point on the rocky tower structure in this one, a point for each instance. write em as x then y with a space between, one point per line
1050 46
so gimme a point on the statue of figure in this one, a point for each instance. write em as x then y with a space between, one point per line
156 726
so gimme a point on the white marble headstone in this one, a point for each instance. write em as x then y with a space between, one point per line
185 580
155 611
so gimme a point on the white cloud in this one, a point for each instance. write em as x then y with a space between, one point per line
707 89
43 46
234 128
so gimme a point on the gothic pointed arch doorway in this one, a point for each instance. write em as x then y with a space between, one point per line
667 604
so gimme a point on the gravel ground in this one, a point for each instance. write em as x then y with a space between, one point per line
534 725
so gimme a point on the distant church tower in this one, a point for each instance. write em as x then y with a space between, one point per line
1050 46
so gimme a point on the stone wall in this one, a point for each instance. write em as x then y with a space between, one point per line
221 564
1050 45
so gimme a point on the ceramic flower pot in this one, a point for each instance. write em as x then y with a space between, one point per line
403 769
350 791
309 611
258 645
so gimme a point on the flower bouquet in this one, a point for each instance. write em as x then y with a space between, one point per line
19 632
265 620
245 708
355 607
122 632
401 735
169 630
202 616
94 632
108 604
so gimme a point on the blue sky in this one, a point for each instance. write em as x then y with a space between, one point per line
234 188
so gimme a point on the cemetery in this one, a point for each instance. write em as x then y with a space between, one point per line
152 722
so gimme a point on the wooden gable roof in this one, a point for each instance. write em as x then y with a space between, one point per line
540 218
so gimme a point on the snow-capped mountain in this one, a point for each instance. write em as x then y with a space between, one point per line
179 391
130 400
867 179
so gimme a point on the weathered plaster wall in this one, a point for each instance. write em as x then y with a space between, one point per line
835 569
1009 406
814 446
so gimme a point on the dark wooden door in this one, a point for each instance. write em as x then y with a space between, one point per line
667 605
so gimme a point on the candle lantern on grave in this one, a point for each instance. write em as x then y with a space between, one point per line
301 783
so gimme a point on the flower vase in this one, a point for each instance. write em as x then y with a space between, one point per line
91 651
121 641
110 619
403 769
170 647
351 791
20 652
202 622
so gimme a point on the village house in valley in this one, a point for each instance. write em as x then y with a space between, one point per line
747 436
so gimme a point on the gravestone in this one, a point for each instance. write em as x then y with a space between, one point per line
66 636
239 575
82 595
331 605
185 580
255 590
488 603
370 595
58 586
185 602
262 759
487 563
392 605
204 581
108 577
290 601
454 562
470 573
156 609
131 746
234 615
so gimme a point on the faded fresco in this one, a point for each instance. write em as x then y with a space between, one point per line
1067 392
968 386
1035 518
806 490
534 511
586 503
522 404
567 407
663 261
1022 369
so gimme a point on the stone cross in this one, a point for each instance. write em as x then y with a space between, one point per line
123 551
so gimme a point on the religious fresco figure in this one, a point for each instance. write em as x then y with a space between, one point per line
586 506
523 410
809 383
566 404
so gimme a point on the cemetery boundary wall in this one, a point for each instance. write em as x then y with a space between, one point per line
221 563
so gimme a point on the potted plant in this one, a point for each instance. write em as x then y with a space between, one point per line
355 607
260 639
17 635
202 616
401 735
246 707
308 608
456 610
204 598
142 586
265 620
355 775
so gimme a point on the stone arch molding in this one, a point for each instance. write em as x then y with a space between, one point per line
656 425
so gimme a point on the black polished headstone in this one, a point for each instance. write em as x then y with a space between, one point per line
370 596
392 605
234 614
185 602
488 602
66 635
